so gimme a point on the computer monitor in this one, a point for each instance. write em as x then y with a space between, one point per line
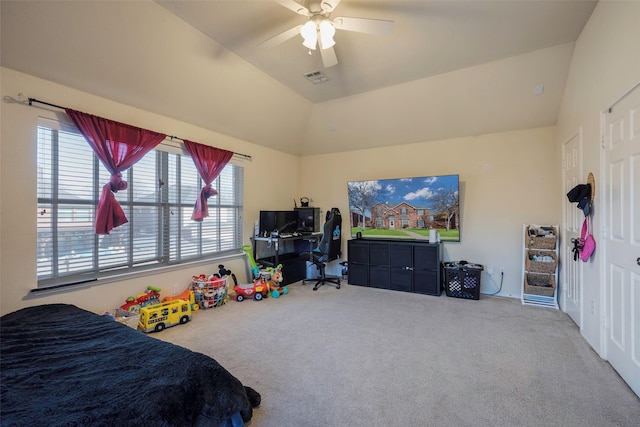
281 221
308 220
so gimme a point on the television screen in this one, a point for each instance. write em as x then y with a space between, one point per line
406 208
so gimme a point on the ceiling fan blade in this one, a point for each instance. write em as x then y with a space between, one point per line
329 5
295 6
281 38
329 58
378 27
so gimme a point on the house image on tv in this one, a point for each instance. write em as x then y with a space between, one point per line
359 220
403 215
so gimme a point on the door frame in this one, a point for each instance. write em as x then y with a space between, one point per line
601 209
603 248
563 237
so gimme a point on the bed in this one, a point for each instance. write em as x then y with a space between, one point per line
62 365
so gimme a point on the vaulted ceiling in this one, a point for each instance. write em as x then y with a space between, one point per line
447 68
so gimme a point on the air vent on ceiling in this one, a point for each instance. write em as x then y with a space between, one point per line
316 77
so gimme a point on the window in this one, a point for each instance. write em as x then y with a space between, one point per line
162 190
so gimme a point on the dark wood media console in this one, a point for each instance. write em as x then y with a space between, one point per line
410 266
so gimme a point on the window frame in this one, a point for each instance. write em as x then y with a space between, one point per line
218 236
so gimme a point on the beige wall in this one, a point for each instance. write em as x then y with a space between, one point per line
605 65
507 180
270 183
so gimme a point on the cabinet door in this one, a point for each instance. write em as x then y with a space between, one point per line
426 282
358 252
401 255
426 257
358 274
401 279
426 269
400 260
379 254
379 276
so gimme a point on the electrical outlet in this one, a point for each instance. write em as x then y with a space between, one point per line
175 289
501 270
490 270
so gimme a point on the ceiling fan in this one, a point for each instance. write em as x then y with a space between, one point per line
319 30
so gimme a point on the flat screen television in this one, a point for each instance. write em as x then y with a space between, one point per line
406 208
282 221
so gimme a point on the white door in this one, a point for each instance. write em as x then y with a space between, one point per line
622 237
571 289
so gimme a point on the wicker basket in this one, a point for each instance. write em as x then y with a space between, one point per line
541 266
541 242
540 284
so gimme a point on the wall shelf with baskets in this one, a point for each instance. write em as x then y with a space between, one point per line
540 265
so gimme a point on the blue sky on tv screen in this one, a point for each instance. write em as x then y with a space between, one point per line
416 191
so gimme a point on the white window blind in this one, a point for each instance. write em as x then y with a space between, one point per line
162 190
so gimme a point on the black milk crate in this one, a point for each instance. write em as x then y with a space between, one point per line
462 280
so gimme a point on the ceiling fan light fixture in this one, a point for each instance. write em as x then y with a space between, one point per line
309 33
327 31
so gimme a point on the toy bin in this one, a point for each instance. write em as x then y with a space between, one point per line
540 284
128 318
462 280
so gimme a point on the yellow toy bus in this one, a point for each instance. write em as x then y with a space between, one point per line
164 315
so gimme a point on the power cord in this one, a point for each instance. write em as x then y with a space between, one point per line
500 289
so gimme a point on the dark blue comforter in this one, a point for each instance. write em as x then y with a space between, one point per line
64 366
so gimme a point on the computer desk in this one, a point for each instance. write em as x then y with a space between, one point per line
286 250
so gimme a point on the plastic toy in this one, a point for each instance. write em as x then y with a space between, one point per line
274 280
255 268
267 283
187 295
150 297
222 272
258 290
155 318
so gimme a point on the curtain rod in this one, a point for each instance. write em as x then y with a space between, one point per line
172 137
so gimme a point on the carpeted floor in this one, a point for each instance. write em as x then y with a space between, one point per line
368 357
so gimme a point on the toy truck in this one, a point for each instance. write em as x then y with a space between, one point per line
150 297
187 295
155 318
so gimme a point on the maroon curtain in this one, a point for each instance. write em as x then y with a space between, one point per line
118 146
209 161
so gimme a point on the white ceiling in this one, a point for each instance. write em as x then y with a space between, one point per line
470 66
428 38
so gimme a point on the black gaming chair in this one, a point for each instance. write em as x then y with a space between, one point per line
329 249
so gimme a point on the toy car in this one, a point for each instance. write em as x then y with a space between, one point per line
257 290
